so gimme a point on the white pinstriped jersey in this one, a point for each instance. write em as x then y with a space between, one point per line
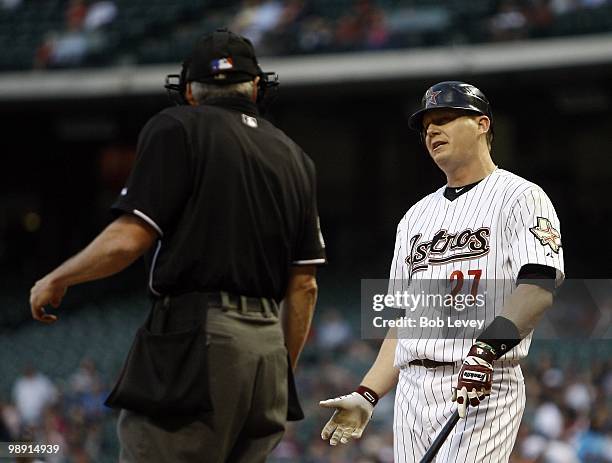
489 232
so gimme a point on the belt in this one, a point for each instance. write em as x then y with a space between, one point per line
429 363
227 301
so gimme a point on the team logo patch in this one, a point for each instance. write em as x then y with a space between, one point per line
546 234
431 97
222 64
445 248
250 121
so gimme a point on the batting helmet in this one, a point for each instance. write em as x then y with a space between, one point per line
451 94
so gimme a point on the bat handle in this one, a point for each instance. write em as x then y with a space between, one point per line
440 438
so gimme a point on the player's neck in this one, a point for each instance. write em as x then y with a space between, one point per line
470 173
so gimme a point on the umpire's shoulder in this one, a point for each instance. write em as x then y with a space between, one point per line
294 148
180 114
159 124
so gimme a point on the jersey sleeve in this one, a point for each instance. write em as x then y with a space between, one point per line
534 233
160 181
311 247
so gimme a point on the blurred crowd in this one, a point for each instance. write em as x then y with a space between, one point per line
281 27
568 416
115 31
70 414
83 34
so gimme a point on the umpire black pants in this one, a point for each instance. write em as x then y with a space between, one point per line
248 389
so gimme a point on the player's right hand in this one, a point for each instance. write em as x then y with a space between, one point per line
475 378
351 416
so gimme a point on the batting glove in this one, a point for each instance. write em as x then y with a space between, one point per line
475 377
352 414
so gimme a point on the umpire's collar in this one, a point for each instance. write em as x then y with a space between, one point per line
236 103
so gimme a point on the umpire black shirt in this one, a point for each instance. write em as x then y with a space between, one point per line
232 198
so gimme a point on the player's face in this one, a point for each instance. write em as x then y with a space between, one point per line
450 135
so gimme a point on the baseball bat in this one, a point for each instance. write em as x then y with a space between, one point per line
440 438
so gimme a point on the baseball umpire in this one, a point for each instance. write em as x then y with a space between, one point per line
485 223
224 206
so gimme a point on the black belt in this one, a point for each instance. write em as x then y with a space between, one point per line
429 363
227 301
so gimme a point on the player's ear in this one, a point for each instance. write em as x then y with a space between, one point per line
484 124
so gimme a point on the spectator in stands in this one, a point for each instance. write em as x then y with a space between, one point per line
509 23
69 48
594 445
100 14
86 378
577 396
93 403
10 420
5 434
539 17
559 452
32 393
75 14
54 429
563 6
548 420
283 39
592 3
316 34
362 27
289 449
42 57
257 17
377 34
88 391
333 331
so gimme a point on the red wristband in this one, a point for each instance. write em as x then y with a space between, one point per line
368 394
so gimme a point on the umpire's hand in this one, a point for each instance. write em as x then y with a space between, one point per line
351 416
45 292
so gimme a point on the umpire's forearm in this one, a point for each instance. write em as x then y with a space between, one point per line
116 247
297 311
382 376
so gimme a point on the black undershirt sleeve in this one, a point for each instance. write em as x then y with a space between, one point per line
539 275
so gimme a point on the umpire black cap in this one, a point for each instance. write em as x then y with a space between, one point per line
223 57
451 94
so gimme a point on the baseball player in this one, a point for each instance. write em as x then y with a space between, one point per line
485 223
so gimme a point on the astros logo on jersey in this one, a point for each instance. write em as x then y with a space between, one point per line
546 234
446 247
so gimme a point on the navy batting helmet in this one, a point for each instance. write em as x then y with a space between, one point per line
451 94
